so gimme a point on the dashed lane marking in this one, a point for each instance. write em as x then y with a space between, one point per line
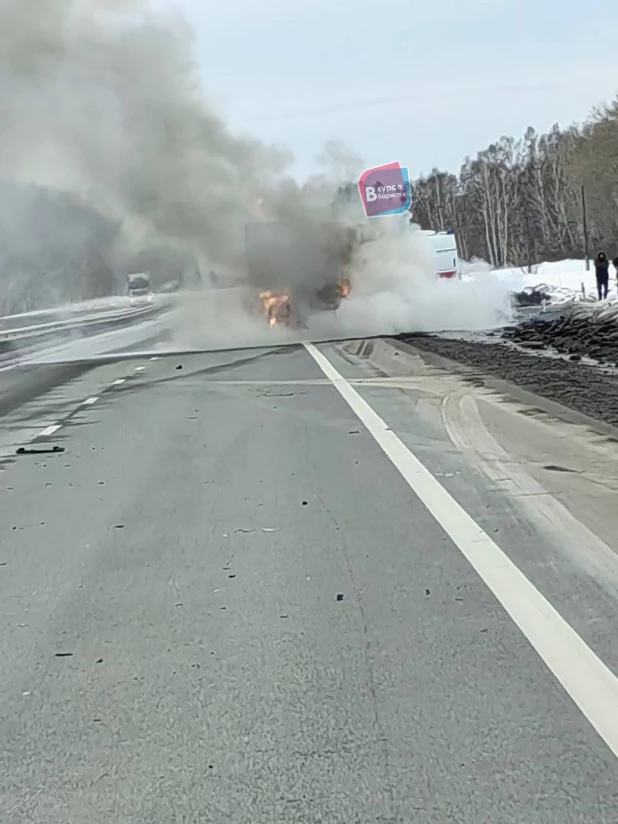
49 430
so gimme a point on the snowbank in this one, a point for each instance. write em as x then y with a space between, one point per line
562 280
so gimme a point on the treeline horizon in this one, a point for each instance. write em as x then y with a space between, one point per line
519 201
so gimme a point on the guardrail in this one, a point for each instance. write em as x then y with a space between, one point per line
15 342
71 323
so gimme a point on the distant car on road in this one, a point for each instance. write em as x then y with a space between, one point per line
139 288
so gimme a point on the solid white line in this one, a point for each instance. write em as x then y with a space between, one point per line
90 401
591 685
49 430
118 381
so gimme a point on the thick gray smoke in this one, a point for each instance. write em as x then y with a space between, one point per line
102 99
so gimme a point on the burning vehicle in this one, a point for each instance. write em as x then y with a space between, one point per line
297 271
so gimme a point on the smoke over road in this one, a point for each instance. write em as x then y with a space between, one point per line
102 99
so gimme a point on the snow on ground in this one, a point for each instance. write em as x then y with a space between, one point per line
138 338
563 280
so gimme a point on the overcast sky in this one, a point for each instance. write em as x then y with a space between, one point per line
424 82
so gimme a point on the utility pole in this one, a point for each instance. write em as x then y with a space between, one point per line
585 221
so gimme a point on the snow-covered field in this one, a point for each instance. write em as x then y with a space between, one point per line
563 280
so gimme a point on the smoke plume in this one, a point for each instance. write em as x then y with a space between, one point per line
102 99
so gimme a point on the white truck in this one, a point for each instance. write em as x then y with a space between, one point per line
138 287
444 245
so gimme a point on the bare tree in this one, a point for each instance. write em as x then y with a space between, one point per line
518 201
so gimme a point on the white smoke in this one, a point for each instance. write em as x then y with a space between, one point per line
396 291
102 98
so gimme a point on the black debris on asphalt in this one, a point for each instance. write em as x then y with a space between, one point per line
42 451
555 468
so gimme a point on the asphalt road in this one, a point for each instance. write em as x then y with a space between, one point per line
223 602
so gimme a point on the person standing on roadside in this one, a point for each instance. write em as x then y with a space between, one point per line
615 262
601 266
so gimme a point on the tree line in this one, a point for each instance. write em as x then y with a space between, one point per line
521 201
56 249
53 249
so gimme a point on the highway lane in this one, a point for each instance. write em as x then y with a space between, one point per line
222 602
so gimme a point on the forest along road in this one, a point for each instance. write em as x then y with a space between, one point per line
305 584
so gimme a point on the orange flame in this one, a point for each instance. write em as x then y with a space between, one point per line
277 306
345 287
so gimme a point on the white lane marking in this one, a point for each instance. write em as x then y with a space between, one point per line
49 430
139 368
591 684
155 358
119 381
90 401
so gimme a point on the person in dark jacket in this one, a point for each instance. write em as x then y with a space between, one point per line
601 266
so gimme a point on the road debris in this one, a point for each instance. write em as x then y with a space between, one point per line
46 450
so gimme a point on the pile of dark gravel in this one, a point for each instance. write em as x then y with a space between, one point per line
582 387
577 334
